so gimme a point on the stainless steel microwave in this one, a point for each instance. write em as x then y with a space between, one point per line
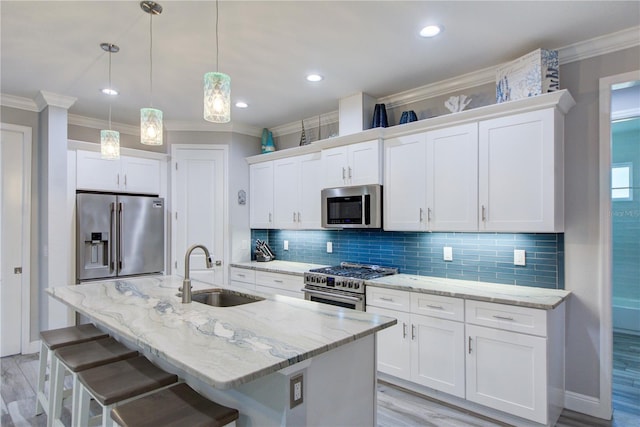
352 207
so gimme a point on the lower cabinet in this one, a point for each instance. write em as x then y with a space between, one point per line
504 357
427 350
267 282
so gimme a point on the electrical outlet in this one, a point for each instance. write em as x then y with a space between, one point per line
448 253
519 257
295 391
329 247
286 245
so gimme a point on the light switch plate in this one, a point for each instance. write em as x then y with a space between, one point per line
286 245
519 257
329 247
448 253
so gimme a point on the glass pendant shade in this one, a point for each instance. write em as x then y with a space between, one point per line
150 126
217 97
110 144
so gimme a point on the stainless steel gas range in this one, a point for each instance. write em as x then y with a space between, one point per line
342 285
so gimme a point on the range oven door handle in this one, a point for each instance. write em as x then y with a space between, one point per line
329 294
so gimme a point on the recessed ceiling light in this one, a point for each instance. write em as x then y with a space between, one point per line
314 77
241 104
108 91
430 31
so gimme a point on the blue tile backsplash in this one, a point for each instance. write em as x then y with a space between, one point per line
486 257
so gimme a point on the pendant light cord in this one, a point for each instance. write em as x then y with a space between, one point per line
217 44
110 88
151 59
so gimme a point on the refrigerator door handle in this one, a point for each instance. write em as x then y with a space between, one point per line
112 249
120 219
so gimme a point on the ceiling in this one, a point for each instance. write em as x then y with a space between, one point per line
267 47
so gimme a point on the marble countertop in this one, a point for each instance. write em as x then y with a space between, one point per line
276 266
223 346
524 296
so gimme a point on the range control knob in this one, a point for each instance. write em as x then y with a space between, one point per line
356 286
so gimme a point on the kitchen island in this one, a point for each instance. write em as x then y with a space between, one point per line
245 356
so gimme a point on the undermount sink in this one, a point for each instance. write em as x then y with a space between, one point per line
223 297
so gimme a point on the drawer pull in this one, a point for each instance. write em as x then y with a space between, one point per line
386 299
404 330
277 280
437 307
503 317
241 275
413 332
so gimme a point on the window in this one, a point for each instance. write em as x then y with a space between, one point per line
621 176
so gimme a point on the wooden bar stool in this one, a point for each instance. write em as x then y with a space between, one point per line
175 406
117 383
51 340
79 357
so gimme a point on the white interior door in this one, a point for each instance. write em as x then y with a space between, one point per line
15 153
198 201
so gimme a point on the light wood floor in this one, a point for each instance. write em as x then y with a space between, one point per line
396 407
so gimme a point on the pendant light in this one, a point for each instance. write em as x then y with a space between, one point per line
109 139
151 118
217 91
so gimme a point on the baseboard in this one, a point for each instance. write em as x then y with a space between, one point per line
584 404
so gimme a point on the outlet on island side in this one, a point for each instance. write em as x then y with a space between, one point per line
295 391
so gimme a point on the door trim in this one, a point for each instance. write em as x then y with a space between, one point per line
26 345
605 283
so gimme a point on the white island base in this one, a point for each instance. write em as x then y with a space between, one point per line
339 389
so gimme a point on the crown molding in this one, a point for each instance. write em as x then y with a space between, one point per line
204 126
46 99
294 127
18 102
600 45
90 122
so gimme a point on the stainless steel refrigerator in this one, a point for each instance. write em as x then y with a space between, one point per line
118 235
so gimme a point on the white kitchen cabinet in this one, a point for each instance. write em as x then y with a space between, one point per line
515 359
126 174
521 177
427 350
355 164
261 195
242 279
431 180
297 186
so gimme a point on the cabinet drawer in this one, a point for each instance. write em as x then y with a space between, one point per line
437 306
389 298
242 286
508 317
242 275
277 291
287 282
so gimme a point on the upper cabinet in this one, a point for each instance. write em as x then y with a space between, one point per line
261 195
124 175
431 180
355 164
296 198
521 175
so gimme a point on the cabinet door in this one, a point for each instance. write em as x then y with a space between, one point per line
334 166
95 173
140 175
364 163
394 344
285 193
261 195
516 173
437 354
452 178
310 185
404 184
507 371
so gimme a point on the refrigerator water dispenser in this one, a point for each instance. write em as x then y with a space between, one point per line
96 250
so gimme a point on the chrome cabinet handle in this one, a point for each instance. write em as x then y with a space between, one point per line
118 179
404 330
241 275
502 317
484 213
294 217
349 172
421 215
429 214
298 216
469 344
437 307
344 173
386 299
277 280
413 332
269 216
125 179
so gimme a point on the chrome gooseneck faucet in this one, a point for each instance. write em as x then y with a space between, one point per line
186 283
